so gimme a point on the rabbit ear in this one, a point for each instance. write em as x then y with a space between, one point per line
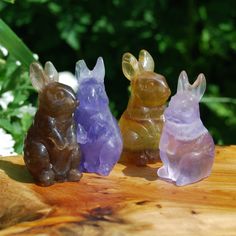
99 70
199 86
51 72
146 60
130 66
37 76
81 70
183 83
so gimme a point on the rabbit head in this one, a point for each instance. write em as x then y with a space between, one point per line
55 99
150 89
91 92
184 105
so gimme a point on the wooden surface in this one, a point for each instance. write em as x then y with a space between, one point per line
131 201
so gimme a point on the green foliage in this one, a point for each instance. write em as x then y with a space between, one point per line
198 36
10 1
14 78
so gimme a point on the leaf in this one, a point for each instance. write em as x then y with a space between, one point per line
20 98
14 45
6 124
26 121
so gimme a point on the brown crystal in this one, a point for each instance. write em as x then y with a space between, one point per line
51 152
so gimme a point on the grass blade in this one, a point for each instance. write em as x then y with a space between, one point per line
14 45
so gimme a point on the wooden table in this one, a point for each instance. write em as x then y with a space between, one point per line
131 201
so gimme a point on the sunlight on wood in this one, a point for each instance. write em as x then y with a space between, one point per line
131 201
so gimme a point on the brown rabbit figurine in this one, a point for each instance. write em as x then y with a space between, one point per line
141 123
51 152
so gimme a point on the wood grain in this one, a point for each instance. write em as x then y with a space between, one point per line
131 201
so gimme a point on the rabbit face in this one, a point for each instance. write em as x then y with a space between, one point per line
92 94
91 91
55 99
150 89
184 106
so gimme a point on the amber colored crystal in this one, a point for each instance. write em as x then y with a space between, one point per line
51 152
141 123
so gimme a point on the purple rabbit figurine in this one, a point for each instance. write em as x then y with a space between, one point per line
186 147
97 130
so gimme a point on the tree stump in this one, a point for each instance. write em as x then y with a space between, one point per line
131 201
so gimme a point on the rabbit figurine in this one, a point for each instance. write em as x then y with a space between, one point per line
97 130
51 152
141 123
186 147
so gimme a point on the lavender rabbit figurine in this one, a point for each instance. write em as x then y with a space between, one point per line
51 152
98 132
186 147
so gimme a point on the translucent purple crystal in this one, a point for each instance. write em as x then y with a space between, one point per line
97 130
186 147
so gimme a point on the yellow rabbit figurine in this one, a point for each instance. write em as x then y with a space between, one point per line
141 123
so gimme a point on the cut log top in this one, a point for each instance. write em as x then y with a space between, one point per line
131 201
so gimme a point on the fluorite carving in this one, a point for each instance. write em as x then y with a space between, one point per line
186 147
141 123
97 130
51 152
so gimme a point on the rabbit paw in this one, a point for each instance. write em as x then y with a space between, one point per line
142 160
74 175
60 177
152 156
46 178
104 169
163 173
183 180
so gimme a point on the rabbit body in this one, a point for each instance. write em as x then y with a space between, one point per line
51 152
141 123
186 147
98 132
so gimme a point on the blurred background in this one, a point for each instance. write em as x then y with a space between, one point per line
197 36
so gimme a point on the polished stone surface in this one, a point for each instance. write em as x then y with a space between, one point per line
97 130
51 152
142 121
186 147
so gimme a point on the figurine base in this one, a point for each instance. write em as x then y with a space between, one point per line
140 158
182 180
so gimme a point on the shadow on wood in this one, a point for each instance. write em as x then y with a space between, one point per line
16 171
146 172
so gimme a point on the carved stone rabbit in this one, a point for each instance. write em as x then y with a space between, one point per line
186 147
141 123
98 132
51 152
